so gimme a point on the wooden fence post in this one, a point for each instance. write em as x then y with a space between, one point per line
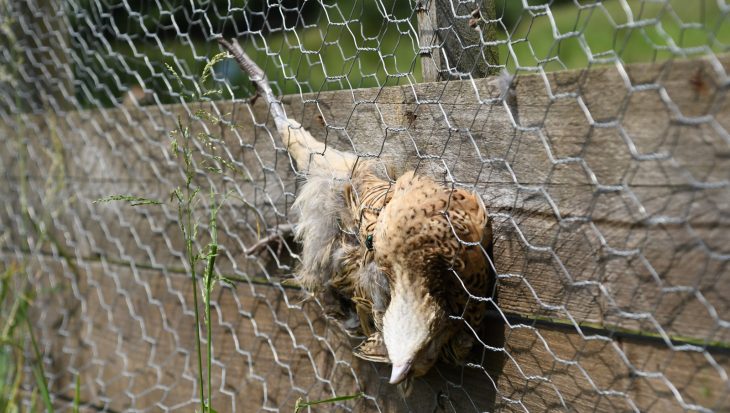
452 36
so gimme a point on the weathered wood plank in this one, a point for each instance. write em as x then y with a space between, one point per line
129 334
547 369
609 190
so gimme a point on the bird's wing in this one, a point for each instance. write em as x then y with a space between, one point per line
366 195
473 266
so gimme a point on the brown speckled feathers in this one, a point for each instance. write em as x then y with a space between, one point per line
437 237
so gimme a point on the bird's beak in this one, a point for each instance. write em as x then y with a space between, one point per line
400 372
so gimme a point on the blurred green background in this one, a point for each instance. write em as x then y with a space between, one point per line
310 46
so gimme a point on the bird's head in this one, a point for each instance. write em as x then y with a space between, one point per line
419 241
414 329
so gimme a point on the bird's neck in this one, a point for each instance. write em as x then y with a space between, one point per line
412 295
408 320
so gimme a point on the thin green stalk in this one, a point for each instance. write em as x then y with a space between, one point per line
300 404
38 371
40 380
77 394
192 261
19 362
212 253
189 230
12 319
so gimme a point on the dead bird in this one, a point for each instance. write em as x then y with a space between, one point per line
334 223
405 263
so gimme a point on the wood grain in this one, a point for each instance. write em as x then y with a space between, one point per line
451 37
130 337
593 220
608 188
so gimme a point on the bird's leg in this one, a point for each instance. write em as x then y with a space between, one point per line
276 236
257 76
298 141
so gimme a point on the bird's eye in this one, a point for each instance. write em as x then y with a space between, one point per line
369 242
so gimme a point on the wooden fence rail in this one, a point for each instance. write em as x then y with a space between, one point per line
609 189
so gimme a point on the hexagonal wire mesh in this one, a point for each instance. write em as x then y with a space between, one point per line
601 152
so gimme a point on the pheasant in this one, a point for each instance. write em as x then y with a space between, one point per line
405 264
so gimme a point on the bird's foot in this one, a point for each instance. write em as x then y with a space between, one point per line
373 349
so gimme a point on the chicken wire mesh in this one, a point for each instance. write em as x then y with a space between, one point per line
607 186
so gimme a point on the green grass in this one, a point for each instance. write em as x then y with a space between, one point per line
349 51
605 32
350 46
301 404
16 333
19 350
309 60
12 355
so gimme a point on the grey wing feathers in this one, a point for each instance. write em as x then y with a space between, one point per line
321 206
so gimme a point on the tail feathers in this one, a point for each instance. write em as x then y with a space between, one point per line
327 248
